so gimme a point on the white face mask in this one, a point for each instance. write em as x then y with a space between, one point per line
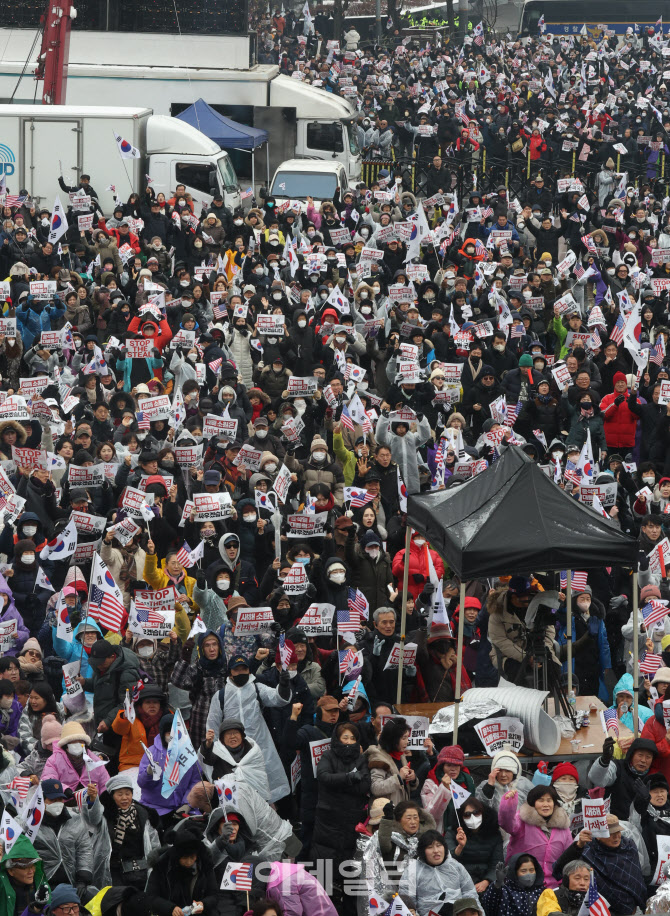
499 346
261 433
299 404
473 821
223 584
337 577
145 651
302 324
292 674
28 558
6 703
55 808
650 481
30 530
271 467
364 294
76 750
319 456
12 340
373 554
258 271
365 310
419 542
276 296
249 519
184 283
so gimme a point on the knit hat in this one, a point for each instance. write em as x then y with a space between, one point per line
377 811
662 676
649 591
31 643
318 443
526 361
120 781
370 539
453 755
51 730
564 769
506 759
439 631
465 903
230 724
63 893
657 781
619 377
73 732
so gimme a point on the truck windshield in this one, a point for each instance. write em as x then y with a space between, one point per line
320 185
227 172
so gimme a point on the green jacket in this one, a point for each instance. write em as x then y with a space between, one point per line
346 458
561 333
22 849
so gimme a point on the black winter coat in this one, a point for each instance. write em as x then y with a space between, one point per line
483 849
343 795
171 885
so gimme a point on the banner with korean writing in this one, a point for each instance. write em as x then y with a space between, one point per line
496 733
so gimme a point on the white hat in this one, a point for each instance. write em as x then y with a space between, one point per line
506 759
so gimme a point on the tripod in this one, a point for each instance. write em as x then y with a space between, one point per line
539 666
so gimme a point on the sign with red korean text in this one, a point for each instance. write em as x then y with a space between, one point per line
212 506
218 426
251 621
496 733
316 751
307 525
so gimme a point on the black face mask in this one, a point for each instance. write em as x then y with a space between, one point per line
239 679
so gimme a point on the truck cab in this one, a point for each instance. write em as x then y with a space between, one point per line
204 170
298 179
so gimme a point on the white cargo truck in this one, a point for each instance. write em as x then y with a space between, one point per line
38 143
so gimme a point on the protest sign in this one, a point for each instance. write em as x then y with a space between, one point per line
157 408
496 733
408 656
8 632
307 525
150 623
140 348
89 476
299 387
595 816
318 620
212 506
251 621
88 524
317 750
218 426
606 493
161 600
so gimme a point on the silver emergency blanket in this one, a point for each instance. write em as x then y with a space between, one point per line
541 732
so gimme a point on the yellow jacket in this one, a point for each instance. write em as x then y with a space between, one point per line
547 903
157 578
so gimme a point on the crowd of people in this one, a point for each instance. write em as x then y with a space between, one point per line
210 424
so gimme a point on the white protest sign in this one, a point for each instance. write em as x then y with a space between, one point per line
307 525
157 408
663 848
318 620
595 816
496 733
253 620
418 730
317 750
408 656
218 426
8 631
91 476
212 506
140 348
70 672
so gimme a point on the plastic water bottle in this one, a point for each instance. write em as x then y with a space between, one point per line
572 700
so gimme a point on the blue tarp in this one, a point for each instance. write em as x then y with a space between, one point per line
228 134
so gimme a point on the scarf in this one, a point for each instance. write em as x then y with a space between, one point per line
473 371
618 874
587 413
125 820
150 724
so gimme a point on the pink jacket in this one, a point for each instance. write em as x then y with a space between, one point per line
58 766
299 893
527 835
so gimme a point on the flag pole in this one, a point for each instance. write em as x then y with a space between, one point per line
568 592
403 618
636 659
459 661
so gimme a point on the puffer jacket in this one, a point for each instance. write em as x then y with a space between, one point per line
59 767
483 850
151 796
109 688
527 830
418 567
240 349
619 422
386 783
328 472
511 899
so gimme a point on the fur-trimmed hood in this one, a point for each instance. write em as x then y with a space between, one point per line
496 602
559 820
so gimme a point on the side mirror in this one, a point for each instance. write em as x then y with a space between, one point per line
213 191
263 193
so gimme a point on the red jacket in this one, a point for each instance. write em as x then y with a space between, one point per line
164 335
620 424
418 566
655 731
121 240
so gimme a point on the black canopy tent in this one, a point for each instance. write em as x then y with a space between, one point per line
512 519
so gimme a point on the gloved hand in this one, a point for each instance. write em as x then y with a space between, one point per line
619 399
428 589
355 777
226 830
378 646
419 417
389 811
276 627
409 670
284 679
201 580
608 751
418 578
501 875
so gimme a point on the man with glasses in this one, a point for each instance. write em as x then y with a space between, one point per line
22 879
64 901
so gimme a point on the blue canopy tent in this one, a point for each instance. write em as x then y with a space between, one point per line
228 134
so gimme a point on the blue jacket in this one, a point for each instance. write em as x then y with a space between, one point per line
71 651
597 629
32 321
151 788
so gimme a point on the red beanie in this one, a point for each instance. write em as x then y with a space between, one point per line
619 377
564 769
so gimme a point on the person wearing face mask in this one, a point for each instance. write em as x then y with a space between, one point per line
540 827
125 561
591 657
273 379
299 346
435 879
263 440
150 775
371 567
10 715
150 707
8 611
238 341
66 763
320 467
202 678
277 717
63 841
243 694
256 536
11 353
477 843
418 564
517 886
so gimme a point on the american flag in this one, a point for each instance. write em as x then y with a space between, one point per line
653 612
517 330
105 608
345 418
657 352
20 784
215 364
243 876
463 117
348 621
480 248
611 720
578 580
488 211
346 656
571 475
597 906
589 244
81 796
358 602
578 271
595 342
219 311
357 497
13 200
617 331
513 411
146 615
142 421
183 554
248 193
444 245
650 663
